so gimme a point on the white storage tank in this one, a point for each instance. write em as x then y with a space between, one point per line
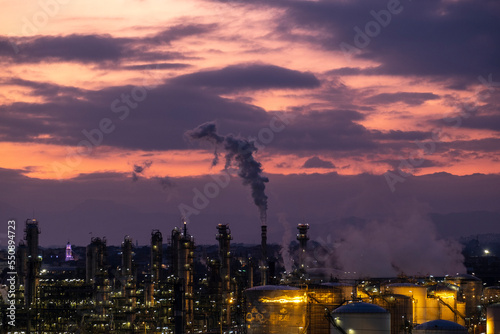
440 327
493 319
361 318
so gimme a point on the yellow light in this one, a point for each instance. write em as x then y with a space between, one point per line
284 300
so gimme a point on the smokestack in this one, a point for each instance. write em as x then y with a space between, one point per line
263 264
302 238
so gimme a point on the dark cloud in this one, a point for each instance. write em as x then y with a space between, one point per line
139 169
316 162
80 48
181 31
103 50
165 182
490 122
345 71
402 135
409 98
156 66
426 38
249 76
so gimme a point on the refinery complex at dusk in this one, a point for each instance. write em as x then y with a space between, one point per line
175 286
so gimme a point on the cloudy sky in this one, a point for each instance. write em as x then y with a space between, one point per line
363 112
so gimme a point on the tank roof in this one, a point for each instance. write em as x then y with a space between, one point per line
272 287
337 284
360 308
494 287
441 325
464 277
497 305
402 284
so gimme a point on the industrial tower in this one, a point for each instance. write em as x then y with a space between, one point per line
224 237
182 267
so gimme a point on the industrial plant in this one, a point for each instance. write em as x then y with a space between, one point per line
174 286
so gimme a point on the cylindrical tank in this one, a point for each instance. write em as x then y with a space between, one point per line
344 290
326 295
419 295
493 319
274 309
361 318
401 309
440 327
471 289
492 294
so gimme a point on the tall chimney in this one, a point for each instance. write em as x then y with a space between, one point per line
263 263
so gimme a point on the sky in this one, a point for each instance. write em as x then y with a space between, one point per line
363 118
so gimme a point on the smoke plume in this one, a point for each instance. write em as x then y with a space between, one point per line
139 169
239 151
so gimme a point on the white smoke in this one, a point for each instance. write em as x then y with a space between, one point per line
386 249
285 243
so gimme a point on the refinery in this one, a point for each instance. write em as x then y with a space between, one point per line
174 286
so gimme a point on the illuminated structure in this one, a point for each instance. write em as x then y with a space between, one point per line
69 299
440 327
360 318
69 253
275 309
493 319
34 260
302 238
156 255
471 289
182 267
224 238
96 259
127 256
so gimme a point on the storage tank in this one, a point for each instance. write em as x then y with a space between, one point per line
440 327
346 291
443 304
361 318
401 309
419 295
471 289
492 294
325 296
275 309
493 319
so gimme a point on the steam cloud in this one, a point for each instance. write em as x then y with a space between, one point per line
285 243
241 152
410 246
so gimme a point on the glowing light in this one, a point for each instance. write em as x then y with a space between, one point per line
284 300
486 251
